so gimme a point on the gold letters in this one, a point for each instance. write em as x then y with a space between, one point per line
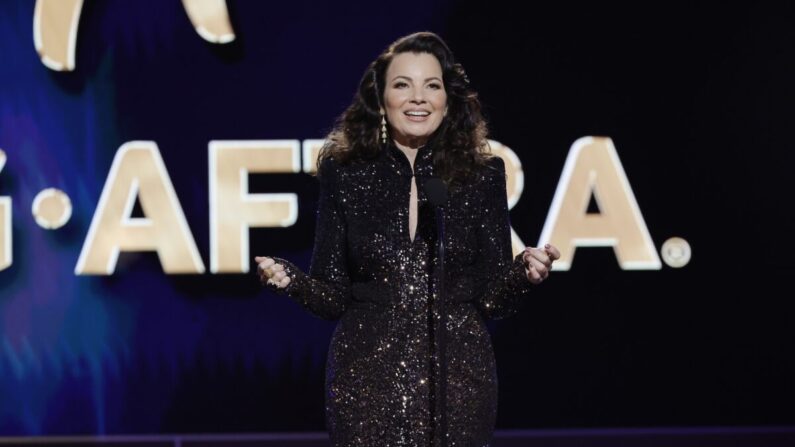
55 25
211 20
55 32
233 210
138 171
5 225
592 171
593 168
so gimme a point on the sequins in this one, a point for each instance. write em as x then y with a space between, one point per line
383 364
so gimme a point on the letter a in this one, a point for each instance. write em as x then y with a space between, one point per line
593 169
138 171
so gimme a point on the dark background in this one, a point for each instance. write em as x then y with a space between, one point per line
698 100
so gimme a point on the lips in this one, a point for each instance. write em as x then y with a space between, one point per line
417 115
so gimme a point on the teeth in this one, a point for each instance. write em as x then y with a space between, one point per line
417 113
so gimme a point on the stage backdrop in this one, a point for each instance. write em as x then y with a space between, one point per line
149 149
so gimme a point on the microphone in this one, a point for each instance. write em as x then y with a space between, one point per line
436 191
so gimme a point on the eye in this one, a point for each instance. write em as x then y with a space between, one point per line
400 84
435 85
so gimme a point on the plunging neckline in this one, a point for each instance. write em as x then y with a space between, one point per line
413 183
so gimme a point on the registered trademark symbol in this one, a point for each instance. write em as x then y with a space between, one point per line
676 252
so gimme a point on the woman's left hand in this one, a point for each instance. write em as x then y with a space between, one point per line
538 262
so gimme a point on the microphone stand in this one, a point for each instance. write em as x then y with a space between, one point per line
442 330
436 191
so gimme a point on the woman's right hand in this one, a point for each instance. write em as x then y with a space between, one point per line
271 273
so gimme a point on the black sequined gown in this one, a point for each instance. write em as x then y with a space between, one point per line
366 272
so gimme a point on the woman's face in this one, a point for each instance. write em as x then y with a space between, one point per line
414 98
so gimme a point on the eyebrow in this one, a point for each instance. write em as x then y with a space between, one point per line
408 78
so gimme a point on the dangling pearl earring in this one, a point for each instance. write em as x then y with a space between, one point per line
383 128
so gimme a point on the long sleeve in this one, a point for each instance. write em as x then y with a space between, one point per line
325 291
504 280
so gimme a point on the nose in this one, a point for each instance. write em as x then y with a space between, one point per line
418 96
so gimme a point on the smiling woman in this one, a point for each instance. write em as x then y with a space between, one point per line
389 378
415 103
415 100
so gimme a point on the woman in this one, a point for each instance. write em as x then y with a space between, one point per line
374 259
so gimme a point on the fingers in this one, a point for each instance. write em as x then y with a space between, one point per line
538 266
552 251
538 262
540 255
270 272
532 275
263 268
263 261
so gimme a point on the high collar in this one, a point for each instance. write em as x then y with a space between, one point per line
423 162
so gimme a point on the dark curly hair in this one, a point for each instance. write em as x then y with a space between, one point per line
460 143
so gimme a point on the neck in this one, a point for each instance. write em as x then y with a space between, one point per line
409 152
410 144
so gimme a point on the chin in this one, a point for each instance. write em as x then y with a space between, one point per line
424 133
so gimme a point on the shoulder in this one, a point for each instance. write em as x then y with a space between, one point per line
493 170
328 174
332 170
495 164
487 174
327 165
